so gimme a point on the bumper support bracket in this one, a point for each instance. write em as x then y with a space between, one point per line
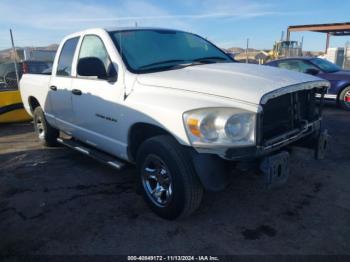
275 169
321 145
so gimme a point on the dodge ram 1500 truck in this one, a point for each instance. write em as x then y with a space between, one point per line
175 105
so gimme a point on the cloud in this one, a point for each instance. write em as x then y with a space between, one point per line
62 15
182 16
38 22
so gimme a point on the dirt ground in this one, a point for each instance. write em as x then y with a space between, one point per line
57 201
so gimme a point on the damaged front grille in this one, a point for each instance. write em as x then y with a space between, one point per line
288 113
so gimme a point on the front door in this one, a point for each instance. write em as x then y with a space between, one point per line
95 101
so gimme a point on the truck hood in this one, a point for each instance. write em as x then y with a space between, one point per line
245 82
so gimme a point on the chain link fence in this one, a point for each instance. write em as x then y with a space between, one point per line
8 79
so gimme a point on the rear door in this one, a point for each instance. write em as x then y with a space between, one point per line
60 96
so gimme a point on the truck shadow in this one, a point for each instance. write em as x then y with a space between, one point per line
15 128
65 197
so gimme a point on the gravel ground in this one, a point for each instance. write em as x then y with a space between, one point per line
57 201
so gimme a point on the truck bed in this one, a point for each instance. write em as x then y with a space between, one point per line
34 85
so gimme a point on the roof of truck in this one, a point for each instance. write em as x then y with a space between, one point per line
138 28
117 29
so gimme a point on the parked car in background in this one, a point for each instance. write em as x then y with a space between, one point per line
8 74
339 78
35 67
35 54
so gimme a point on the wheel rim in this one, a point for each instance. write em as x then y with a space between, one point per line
347 98
40 128
157 181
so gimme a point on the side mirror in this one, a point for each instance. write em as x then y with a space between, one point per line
312 71
91 66
112 74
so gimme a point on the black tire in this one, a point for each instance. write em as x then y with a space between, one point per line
344 95
47 134
187 191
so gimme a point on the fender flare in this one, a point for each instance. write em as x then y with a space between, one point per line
211 170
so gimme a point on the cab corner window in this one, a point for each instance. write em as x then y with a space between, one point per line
64 66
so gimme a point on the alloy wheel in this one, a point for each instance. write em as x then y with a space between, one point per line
157 181
347 99
40 128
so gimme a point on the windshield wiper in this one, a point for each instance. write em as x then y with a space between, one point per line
210 59
161 63
184 63
180 63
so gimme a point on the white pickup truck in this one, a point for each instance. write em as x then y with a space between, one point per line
176 106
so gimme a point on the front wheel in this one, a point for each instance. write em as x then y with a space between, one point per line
46 134
169 182
344 98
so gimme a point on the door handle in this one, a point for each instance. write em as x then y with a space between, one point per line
53 88
76 92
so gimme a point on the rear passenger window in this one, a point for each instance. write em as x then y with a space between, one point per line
64 66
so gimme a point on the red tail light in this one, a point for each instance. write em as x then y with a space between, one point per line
25 69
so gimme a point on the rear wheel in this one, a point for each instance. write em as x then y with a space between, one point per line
344 98
47 134
170 185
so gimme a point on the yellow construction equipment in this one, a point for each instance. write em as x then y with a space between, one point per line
285 49
11 107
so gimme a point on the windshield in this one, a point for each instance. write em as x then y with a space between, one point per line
325 65
153 50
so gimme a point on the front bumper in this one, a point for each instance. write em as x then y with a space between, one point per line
212 169
293 136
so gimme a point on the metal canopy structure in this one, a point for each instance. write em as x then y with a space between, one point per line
334 29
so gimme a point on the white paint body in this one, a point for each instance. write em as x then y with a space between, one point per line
155 98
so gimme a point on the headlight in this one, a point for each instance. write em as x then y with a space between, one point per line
220 127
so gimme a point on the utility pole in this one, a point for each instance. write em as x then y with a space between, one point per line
345 60
301 45
246 51
327 43
14 57
302 41
282 36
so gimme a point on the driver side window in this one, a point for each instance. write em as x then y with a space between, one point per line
304 66
93 47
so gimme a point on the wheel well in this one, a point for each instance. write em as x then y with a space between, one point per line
33 103
139 133
341 90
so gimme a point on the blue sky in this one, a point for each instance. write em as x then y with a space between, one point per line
225 22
